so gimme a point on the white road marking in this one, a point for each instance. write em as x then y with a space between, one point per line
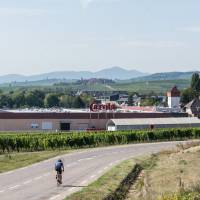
83 159
27 182
100 171
47 174
89 158
72 164
83 182
92 176
71 189
8 172
55 197
14 187
37 178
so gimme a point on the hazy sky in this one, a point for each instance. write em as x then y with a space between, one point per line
148 35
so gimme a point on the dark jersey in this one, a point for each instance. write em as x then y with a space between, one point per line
59 166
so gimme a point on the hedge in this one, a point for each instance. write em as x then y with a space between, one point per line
47 141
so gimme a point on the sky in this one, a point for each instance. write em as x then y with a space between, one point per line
38 36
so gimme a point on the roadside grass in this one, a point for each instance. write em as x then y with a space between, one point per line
168 175
17 160
174 176
106 184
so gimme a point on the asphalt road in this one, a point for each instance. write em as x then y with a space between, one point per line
37 182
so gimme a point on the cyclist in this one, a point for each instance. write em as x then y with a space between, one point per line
59 167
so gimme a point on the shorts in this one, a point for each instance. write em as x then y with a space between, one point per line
59 171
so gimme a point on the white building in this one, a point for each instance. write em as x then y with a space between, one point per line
152 123
173 97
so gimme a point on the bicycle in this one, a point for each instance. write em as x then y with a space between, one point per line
59 178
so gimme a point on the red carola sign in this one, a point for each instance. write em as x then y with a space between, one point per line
100 107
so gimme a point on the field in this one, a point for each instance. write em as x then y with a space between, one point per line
161 86
11 161
172 172
142 87
40 141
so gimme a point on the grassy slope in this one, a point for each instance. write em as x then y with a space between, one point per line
17 160
105 184
147 86
160 86
173 172
163 173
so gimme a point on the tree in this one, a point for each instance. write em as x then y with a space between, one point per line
51 100
149 102
87 99
130 100
34 98
188 95
78 103
6 101
18 99
195 82
66 101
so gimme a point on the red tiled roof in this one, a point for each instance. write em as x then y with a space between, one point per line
174 92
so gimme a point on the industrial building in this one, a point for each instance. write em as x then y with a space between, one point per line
151 123
68 120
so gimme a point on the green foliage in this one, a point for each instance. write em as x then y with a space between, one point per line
18 99
66 101
6 101
195 82
193 92
51 100
40 98
34 98
144 87
188 95
78 102
42 141
130 100
149 102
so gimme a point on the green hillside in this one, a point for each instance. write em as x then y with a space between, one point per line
160 86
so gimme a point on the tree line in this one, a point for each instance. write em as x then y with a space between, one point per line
41 99
193 91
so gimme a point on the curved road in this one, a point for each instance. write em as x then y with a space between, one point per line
37 182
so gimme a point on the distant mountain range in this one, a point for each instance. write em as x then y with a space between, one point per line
166 76
109 73
114 73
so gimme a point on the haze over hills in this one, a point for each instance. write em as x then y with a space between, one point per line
109 73
114 73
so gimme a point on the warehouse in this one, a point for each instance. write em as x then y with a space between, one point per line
67 120
151 123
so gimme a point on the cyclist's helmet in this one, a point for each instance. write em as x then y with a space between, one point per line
59 160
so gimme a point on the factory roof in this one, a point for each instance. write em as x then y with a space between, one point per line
154 121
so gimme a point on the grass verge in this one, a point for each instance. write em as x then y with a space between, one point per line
174 176
107 185
168 175
17 160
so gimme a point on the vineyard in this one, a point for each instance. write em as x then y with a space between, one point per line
43 141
